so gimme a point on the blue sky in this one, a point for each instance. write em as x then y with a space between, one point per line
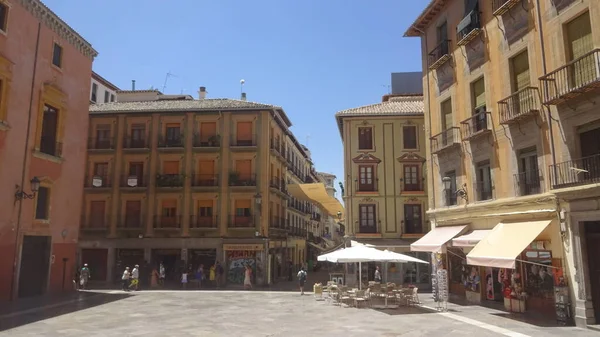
312 57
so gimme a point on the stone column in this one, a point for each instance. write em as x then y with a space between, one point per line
110 268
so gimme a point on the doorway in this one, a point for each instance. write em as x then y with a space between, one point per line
171 260
97 261
492 286
127 258
592 235
35 260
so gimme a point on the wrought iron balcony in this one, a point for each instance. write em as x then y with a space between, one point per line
528 182
135 143
445 140
275 183
170 180
205 180
476 125
277 222
131 221
171 141
275 145
98 181
236 221
201 141
167 222
468 28
484 190
366 187
520 105
412 185
101 144
241 142
500 7
49 145
235 179
131 181
576 172
573 80
204 222
439 55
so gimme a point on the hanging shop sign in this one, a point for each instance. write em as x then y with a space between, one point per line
253 247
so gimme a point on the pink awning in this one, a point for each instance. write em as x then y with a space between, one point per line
435 240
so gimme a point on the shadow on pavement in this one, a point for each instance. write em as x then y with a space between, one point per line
402 310
33 310
531 318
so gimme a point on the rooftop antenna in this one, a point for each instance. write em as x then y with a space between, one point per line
242 81
169 74
388 88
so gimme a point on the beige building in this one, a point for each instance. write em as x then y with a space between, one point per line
184 182
385 180
513 141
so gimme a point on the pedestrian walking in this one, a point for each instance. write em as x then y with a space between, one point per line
377 275
212 275
125 279
200 275
154 278
184 279
162 274
219 274
84 276
302 274
290 269
248 278
135 277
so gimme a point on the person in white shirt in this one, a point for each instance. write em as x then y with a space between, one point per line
302 274
135 277
125 279
377 275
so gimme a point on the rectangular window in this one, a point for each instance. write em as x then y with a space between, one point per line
367 219
173 132
133 213
207 130
411 178
136 169
112 97
205 208
106 96
366 178
409 137
94 97
169 208
484 180
3 17
42 206
580 42
97 217
446 112
413 223
244 133
520 71
244 168
171 167
138 135
529 173
451 193
103 137
242 208
478 94
442 35
57 55
48 141
365 138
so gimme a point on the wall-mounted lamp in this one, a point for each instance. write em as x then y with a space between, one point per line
258 199
35 186
462 192
562 216
339 215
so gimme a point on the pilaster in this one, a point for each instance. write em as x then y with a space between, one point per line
153 167
187 164
117 164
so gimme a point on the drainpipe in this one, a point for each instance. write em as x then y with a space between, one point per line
430 174
545 70
23 170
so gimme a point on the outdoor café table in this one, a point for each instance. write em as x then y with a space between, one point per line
384 291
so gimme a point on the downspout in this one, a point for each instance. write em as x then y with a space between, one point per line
545 70
23 170
430 173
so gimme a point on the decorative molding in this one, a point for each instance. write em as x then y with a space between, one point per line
411 157
411 200
57 25
366 158
367 200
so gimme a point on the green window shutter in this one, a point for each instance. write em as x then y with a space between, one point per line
520 64
447 115
579 33
479 92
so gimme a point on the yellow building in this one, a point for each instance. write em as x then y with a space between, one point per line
385 179
184 182
513 148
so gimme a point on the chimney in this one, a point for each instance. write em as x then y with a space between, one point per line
243 96
202 93
133 85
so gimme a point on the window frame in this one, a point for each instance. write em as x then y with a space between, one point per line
450 197
46 206
417 184
480 179
106 96
361 140
420 218
367 187
416 137
4 25
94 95
57 47
363 209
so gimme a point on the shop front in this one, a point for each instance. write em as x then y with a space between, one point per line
172 261
126 258
277 261
240 256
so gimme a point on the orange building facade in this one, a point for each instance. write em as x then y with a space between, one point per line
45 70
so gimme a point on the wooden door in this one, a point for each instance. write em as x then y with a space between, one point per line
367 219
412 219
244 133
207 130
133 212
244 168
590 153
366 181
411 178
592 234
97 214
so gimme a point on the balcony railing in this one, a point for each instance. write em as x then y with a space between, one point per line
275 145
277 222
174 141
528 182
562 4
236 221
468 28
100 144
167 222
315 217
572 80
94 222
133 181
131 221
98 181
521 104
283 186
235 179
207 141
476 125
49 145
275 183
243 142
366 187
170 180
439 54
576 172
135 143
484 191
500 7
445 139
412 185
200 221
205 180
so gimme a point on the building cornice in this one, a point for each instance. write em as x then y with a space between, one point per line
57 25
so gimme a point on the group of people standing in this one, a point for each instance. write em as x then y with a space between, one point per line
131 280
215 277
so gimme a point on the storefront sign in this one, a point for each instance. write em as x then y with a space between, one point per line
254 247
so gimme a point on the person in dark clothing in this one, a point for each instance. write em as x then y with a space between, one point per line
290 270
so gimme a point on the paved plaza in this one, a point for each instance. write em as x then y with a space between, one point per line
253 313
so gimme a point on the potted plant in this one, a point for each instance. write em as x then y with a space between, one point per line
214 141
234 178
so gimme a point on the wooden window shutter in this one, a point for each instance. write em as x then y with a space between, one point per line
172 125
244 168
520 64
171 167
207 130
242 204
133 207
206 167
41 207
479 93
579 34
205 203
244 130
169 203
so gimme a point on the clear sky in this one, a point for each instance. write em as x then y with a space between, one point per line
312 57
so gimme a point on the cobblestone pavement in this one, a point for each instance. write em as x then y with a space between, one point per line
252 313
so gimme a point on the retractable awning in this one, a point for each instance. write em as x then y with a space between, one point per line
470 239
318 194
504 243
434 241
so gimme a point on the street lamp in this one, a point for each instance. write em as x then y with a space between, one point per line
462 192
339 215
35 186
